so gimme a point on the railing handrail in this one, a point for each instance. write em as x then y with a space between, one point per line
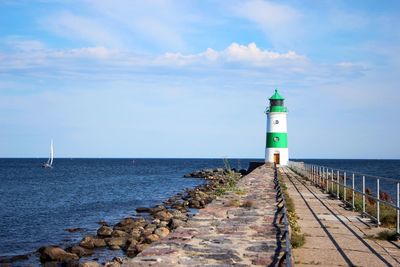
348 171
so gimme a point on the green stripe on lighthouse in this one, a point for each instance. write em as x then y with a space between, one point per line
277 140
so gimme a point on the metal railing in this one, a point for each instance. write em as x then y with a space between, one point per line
345 185
281 209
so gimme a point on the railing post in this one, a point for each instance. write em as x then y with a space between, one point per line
319 176
397 209
344 187
352 192
363 197
332 184
377 202
327 180
337 185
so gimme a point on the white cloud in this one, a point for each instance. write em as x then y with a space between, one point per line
279 22
250 55
99 62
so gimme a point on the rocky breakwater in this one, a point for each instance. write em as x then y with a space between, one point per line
134 234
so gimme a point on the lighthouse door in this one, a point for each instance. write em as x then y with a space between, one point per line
276 158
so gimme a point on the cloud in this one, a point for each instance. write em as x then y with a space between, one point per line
100 62
249 55
279 22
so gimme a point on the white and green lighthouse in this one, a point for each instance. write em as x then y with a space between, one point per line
277 142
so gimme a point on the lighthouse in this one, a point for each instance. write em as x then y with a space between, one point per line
276 150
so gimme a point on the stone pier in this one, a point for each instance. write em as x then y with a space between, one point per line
236 229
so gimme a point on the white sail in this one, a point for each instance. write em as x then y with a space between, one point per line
51 153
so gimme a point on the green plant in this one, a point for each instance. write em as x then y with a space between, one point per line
389 235
297 240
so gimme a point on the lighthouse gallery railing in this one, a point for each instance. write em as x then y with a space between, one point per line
345 185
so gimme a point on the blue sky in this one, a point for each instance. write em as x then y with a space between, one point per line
167 78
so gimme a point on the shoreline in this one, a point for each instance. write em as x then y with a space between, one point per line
150 224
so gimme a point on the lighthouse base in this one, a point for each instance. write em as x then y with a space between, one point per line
279 156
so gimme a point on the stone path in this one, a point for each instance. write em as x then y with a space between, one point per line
334 236
234 230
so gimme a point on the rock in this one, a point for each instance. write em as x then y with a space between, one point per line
151 238
179 215
142 209
118 259
136 233
151 227
161 232
112 264
141 247
102 222
156 221
52 253
98 242
74 230
157 209
119 233
163 215
128 224
80 251
87 242
90 264
193 203
104 231
130 248
114 242
163 224
175 223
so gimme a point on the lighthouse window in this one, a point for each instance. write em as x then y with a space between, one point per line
276 122
276 139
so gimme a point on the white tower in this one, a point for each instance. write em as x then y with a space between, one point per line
276 145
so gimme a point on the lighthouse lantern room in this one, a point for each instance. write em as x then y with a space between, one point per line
277 144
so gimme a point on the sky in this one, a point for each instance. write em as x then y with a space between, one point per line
164 78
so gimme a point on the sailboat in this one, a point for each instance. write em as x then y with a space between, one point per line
49 163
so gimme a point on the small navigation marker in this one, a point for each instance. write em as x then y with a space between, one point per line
277 144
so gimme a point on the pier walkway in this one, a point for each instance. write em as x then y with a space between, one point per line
237 229
334 236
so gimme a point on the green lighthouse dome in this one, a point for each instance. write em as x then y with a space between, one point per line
276 103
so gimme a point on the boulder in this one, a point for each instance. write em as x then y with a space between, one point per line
175 223
142 209
141 247
179 215
87 242
104 231
119 233
163 215
80 251
128 224
193 203
130 248
151 238
116 242
161 232
136 233
90 264
53 253
99 242
157 209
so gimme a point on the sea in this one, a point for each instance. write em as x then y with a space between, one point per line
38 205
